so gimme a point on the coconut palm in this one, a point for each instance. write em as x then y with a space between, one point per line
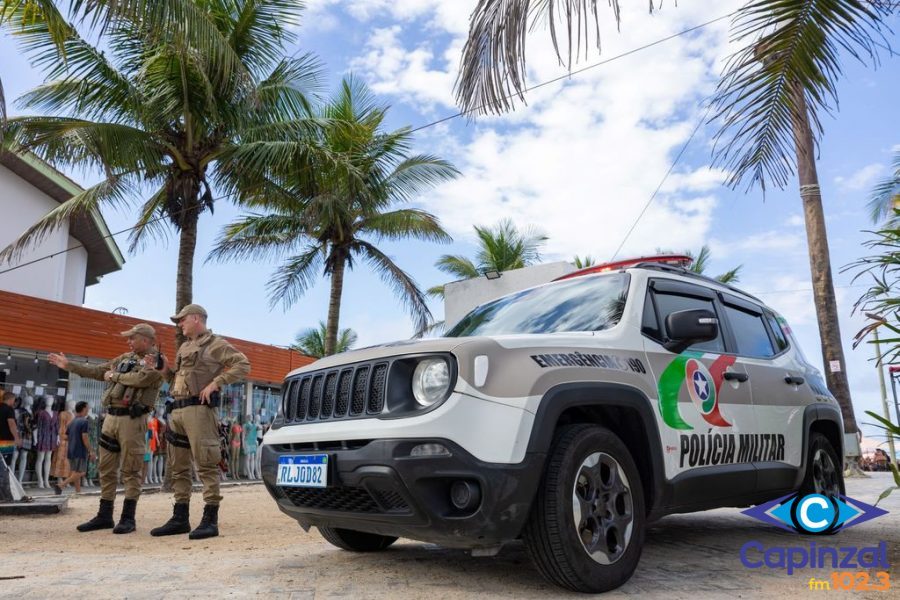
163 119
585 262
500 248
885 197
326 225
767 104
311 341
700 261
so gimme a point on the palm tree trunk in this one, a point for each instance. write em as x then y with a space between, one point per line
184 283
820 263
334 305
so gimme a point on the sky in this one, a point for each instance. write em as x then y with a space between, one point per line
579 161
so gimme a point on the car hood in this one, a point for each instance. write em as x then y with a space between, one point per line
383 351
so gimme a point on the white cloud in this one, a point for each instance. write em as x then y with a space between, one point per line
860 180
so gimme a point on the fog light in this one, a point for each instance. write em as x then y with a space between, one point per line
465 495
429 450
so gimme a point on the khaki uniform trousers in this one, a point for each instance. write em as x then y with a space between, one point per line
122 438
200 425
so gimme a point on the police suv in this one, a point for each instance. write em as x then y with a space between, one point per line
568 415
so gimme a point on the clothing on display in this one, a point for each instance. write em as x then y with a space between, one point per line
60 462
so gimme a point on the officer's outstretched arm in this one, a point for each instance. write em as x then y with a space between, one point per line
94 371
139 378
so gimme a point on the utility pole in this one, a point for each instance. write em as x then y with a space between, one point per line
884 402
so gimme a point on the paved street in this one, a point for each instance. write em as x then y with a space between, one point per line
263 553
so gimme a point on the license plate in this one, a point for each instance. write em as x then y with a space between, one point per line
303 470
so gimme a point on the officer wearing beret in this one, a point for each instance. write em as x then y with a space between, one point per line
132 388
205 363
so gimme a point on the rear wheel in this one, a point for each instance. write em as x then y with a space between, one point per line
356 541
824 474
586 527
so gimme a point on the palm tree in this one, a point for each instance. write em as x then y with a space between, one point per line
159 116
500 248
326 225
885 197
584 263
311 341
768 100
700 261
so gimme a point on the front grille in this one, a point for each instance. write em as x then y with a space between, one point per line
340 393
346 499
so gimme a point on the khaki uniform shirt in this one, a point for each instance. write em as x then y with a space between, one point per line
140 384
204 360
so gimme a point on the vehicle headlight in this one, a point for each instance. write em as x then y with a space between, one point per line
431 381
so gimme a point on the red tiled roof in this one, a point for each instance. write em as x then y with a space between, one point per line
47 326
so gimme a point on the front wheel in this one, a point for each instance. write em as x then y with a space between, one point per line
586 527
356 541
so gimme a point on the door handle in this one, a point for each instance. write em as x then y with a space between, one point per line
735 376
793 380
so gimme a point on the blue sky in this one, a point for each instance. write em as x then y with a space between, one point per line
579 161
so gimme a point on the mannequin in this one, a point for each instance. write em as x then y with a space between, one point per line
159 459
251 431
60 463
25 423
225 448
234 463
153 433
260 434
46 433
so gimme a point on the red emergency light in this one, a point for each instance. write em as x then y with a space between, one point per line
676 260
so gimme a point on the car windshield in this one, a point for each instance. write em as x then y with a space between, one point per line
588 303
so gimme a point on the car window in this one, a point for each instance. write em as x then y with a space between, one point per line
750 333
587 303
669 303
781 342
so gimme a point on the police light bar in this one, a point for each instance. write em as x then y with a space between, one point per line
676 260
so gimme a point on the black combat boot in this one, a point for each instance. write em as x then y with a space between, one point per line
126 522
179 523
209 524
103 520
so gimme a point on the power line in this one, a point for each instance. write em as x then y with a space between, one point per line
437 122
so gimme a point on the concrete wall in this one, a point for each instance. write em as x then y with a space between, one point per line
460 297
60 278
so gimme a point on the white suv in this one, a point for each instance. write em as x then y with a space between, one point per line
569 415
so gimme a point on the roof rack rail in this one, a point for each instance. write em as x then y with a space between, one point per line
656 266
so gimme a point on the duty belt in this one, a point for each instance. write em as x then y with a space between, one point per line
118 411
194 401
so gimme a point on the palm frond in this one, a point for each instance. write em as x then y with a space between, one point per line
405 223
288 90
261 29
402 284
111 147
291 280
458 266
732 276
151 223
436 291
185 22
700 260
114 191
417 174
789 66
259 237
886 195
311 341
585 262
492 69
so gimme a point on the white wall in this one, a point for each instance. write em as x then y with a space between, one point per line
462 296
21 205
76 267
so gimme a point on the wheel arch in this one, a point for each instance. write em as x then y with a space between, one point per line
623 409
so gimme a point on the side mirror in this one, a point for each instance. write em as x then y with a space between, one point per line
689 327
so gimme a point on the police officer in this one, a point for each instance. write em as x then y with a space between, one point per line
204 364
132 388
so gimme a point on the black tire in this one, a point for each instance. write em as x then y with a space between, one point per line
356 541
554 540
824 469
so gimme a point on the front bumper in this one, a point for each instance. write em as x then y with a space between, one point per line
377 487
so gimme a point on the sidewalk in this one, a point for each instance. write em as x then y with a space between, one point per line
147 488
